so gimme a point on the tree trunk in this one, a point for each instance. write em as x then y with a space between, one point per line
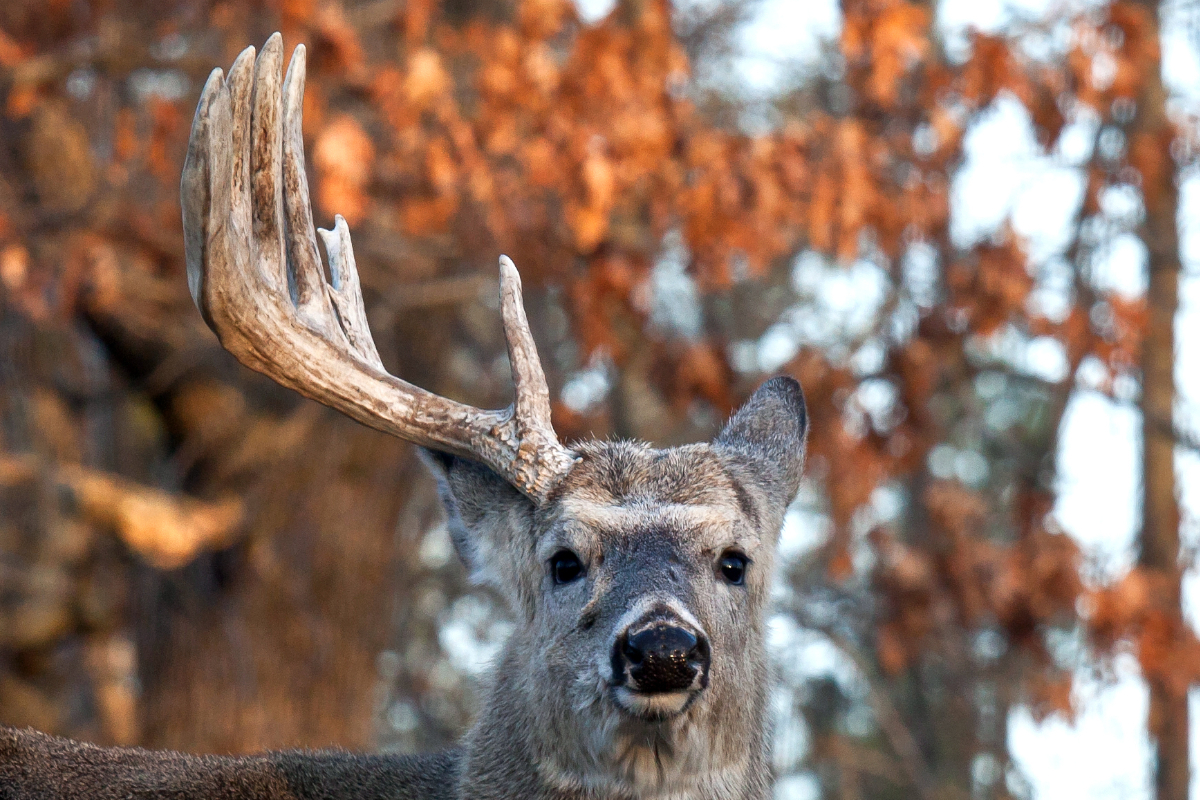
1150 140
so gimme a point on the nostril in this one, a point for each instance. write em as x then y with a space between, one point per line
631 652
699 654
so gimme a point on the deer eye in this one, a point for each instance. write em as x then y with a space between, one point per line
566 567
732 567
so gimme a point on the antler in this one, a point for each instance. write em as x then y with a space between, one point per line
256 276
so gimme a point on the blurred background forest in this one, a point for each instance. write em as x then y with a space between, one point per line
963 226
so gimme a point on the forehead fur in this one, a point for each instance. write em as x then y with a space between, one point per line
634 473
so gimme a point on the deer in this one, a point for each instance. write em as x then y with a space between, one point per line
639 578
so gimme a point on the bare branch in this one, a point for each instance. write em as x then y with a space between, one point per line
901 740
165 529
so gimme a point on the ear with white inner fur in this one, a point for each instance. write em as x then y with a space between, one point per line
766 438
489 522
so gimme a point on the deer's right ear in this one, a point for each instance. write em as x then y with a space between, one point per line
766 438
489 520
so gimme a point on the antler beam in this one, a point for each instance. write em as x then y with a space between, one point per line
255 273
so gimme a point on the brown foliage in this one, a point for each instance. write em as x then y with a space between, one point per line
447 133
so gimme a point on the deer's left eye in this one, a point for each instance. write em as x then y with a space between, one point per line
732 567
566 567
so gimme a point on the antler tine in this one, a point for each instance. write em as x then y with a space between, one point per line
265 148
532 400
195 191
531 394
312 298
240 86
255 273
346 292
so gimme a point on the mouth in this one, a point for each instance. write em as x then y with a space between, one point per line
656 707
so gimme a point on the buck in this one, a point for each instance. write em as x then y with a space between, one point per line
638 577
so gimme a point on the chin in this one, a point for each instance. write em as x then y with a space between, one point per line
658 707
646 745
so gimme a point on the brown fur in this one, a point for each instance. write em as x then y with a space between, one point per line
650 527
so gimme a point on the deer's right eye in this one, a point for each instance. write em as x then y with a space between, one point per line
566 567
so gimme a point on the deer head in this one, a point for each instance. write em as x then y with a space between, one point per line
639 576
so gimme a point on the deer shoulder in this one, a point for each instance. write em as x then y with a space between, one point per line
34 766
639 577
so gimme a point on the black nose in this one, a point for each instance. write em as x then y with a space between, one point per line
661 657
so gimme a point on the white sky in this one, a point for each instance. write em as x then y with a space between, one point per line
1104 753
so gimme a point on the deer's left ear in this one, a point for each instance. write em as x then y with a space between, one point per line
765 439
